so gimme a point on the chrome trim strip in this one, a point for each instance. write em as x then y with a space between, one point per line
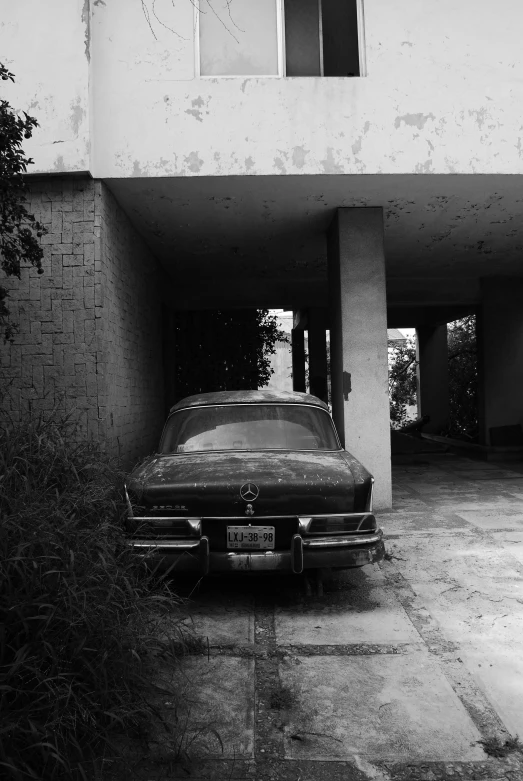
333 515
297 554
204 555
164 519
253 518
128 503
165 544
371 495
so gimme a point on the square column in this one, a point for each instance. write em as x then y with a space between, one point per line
358 319
500 354
317 352
433 376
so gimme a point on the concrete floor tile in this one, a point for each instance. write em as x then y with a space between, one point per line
500 675
387 708
484 618
409 521
216 695
472 503
461 557
512 542
467 465
491 474
363 615
493 519
223 618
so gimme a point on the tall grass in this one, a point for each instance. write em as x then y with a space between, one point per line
74 606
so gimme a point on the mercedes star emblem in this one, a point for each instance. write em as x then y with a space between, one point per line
249 492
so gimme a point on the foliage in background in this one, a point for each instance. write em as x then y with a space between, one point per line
76 611
18 227
463 379
402 379
224 350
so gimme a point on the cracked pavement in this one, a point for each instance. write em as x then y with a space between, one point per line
395 673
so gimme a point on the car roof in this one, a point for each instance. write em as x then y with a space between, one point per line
249 397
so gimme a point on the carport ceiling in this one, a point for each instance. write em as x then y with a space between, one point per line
441 232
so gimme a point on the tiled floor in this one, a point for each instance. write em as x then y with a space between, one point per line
396 672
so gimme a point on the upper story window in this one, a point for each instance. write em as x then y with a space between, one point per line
278 37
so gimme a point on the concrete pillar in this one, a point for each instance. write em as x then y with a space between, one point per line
500 354
358 329
298 360
433 376
317 353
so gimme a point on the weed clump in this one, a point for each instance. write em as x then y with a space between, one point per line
75 608
495 747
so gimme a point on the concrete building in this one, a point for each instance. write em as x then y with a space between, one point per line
356 161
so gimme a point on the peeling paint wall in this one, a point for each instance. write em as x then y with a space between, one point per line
45 43
442 94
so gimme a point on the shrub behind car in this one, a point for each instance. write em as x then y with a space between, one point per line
74 606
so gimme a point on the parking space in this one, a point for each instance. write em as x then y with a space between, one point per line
390 672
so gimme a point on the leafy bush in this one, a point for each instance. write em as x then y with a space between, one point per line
463 379
402 380
75 609
224 350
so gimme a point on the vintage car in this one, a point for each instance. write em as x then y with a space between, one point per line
252 481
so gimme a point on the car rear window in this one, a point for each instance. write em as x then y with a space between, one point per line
249 427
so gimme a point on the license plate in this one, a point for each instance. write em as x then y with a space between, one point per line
257 537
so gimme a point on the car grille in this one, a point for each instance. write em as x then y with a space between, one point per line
216 530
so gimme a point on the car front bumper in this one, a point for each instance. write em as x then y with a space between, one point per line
340 551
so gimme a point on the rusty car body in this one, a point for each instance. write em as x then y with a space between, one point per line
252 481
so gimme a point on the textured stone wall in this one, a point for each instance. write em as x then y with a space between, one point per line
89 336
53 359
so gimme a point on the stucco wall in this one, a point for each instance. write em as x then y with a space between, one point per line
441 95
45 43
89 336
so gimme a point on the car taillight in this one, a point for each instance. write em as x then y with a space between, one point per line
338 524
164 527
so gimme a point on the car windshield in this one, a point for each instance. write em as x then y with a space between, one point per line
249 427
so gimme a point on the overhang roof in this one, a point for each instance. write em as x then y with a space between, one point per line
260 241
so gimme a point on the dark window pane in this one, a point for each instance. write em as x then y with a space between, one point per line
340 38
302 37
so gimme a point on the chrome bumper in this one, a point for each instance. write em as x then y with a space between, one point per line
343 551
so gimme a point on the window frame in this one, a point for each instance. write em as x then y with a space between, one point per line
280 33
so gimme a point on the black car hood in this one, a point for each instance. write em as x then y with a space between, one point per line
208 484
